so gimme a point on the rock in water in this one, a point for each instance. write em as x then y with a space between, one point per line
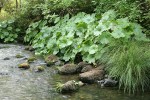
30 48
69 86
107 82
69 69
19 56
6 58
24 65
31 59
85 66
59 63
39 69
51 59
80 83
92 76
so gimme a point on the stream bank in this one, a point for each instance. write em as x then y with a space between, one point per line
17 84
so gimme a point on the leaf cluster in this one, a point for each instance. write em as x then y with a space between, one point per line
83 33
8 31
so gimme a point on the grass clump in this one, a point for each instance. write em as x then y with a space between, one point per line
130 64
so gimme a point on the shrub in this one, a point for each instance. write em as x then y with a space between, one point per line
84 34
136 10
8 31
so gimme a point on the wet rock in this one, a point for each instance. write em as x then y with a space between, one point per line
86 68
92 76
68 87
30 48
80 83
59 63
69 69
83 64
100 67
19 56
3 47
108 82
4 73
6 58
39 69
51 59
24 65
31 59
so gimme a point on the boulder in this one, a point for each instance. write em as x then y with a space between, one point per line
24 65
31 59
39 68
51 59
69 86
69 69
59 63
83 64
108 82
91 76
19 56
6 58
30 48
86 68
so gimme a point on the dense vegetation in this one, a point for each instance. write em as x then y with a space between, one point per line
112 32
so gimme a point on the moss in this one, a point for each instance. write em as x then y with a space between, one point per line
31 59
68 87
51 59
69 69
24 65
19 56
39 68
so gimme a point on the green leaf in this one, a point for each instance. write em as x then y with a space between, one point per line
9 28
93 49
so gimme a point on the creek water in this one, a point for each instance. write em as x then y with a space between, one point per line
17 84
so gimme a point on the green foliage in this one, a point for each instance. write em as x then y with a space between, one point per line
136 10
123 8
84 34
62 7
8 31
130 63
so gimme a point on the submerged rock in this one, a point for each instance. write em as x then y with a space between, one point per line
31 59
85 66
92 76
69 69
39 68
6 58
19 56
24 65
59 63
51 59
108 82
3 47
30 48
69 86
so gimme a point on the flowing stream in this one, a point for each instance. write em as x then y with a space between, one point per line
17 84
